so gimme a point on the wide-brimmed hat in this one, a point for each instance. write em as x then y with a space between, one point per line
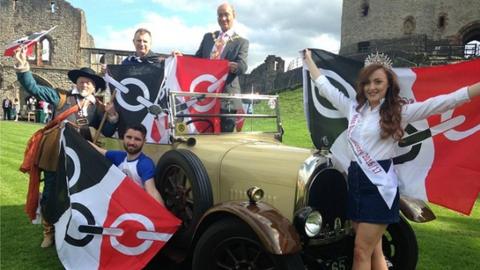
89 73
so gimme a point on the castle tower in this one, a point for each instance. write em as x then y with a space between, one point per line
409 27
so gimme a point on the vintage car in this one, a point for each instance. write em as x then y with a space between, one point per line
247 201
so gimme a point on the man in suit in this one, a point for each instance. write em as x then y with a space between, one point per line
226 44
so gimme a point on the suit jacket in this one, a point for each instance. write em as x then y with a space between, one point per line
236 50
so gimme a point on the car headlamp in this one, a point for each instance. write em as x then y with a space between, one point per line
313 224
255 194
308 222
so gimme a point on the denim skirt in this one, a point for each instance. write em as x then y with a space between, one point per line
364 202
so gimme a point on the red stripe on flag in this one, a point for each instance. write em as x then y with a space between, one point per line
130 199
454 179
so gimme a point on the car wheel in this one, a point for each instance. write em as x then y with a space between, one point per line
400 246
185 187
231 244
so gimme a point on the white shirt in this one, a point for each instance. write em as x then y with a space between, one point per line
368 129
130 168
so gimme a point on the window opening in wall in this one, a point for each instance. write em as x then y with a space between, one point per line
96 61
442 21
363 46
364 9
409 25
46 50
52 6
119 59
33 56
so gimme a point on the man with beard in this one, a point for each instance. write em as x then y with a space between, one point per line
139 167
81 108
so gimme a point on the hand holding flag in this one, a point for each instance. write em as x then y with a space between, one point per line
26 42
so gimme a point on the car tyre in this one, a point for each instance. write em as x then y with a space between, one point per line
400 246
231 244
183 182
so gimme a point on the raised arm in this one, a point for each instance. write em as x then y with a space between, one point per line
338 99
307 58
26 79
474 90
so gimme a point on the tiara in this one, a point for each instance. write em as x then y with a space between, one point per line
380 59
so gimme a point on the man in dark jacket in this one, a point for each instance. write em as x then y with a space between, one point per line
142 40
7 107
226 44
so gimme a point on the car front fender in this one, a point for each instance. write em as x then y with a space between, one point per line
275 232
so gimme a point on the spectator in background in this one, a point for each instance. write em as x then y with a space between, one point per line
15 109
7 107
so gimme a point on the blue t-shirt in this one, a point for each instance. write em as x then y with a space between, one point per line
140 169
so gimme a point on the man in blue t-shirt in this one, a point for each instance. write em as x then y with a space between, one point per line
139 167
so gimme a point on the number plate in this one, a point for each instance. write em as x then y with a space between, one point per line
340 263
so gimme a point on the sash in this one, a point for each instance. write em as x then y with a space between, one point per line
386 182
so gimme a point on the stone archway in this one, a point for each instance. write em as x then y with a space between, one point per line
470 38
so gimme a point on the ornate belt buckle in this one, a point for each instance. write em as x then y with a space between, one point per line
82 121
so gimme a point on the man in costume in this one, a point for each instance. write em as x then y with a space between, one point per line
80 107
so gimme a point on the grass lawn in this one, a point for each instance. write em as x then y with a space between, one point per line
450 242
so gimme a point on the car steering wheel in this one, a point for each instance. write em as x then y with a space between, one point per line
209 127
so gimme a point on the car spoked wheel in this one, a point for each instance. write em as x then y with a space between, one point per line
400 246
177 194
231 244
185 187
241 253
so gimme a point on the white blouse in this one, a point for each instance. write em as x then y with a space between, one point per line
368 129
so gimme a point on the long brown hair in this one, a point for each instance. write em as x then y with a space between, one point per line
391 108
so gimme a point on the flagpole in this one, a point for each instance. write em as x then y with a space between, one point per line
102 123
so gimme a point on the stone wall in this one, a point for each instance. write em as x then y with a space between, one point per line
379 21
263 78
70 44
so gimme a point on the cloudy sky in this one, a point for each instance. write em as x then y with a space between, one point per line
278 27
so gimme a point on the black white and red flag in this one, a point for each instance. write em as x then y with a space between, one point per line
437 159
140 98
27 41
103 220
191 74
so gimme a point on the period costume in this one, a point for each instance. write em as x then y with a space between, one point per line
42 148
